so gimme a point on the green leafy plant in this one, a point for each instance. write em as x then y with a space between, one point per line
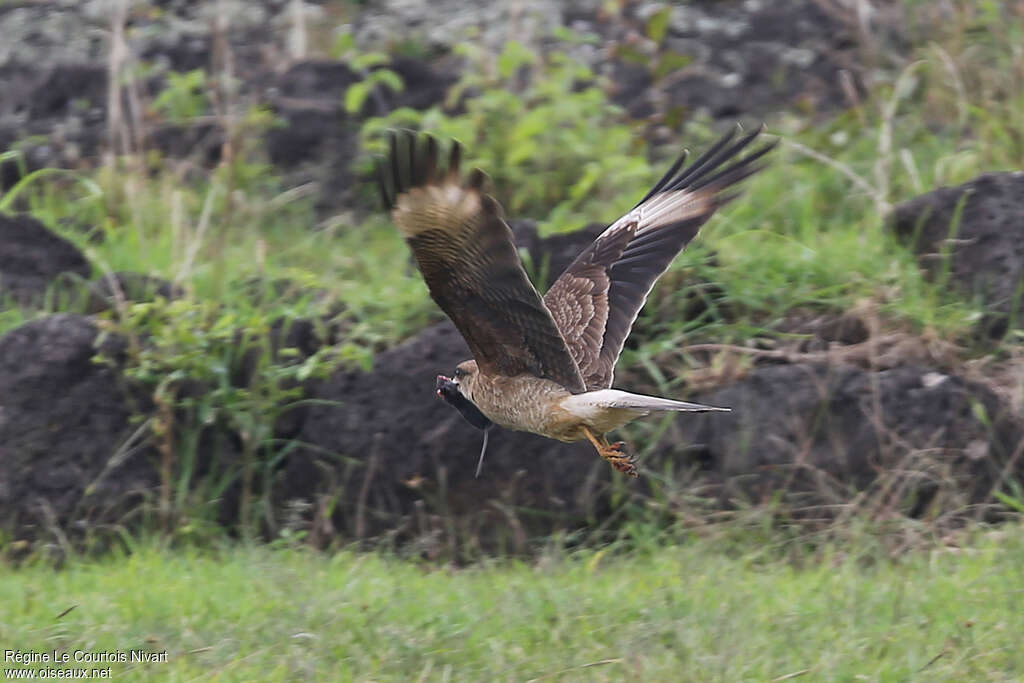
184 98
371 67
557 149
208 368
660 62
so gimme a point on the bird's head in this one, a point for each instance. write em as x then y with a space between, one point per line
465 377
457 391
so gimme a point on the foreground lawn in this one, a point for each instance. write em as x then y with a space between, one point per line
681 613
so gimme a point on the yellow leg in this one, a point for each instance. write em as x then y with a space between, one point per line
613 453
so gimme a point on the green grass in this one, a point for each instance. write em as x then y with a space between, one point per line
693 612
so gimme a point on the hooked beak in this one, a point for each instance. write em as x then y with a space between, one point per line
447 390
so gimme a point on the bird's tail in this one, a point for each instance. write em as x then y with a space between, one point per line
641 404
656 404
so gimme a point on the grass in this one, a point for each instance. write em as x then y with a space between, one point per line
702 611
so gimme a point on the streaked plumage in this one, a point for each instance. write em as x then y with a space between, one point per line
546 365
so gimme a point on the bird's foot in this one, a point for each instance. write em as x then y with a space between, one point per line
619 459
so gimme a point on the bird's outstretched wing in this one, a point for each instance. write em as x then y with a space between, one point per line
597 299
467 256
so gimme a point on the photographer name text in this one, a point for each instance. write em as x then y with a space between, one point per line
84 657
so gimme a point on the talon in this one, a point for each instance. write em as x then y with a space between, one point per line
626 465
614 453
620 460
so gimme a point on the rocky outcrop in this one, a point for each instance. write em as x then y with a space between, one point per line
32 258
67 456
915 437
913 440
972 237
375 454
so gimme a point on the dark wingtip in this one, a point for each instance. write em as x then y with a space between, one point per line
708 169
382 184
413 160
477 179
454 160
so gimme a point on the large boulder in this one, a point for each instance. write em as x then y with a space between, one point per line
972 235
67 456
32 257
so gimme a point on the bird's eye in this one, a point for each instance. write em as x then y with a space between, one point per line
459 372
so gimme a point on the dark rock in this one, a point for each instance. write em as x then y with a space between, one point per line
550 256
67 88
399 461
914 436
525 235
554 254
309 100
318 140
631 83
820 330
56 113
974 234
201 141
66 453
425 83
31 258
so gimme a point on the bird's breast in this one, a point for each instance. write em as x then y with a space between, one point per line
526 403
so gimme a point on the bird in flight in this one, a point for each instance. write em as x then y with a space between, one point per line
546 364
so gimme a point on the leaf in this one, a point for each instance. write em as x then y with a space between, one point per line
342 45
630 53
671 61
1010 501
7 201
586 183
389 78
568 35
980 414
595 560
513 57
657 25
369 60
355 96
